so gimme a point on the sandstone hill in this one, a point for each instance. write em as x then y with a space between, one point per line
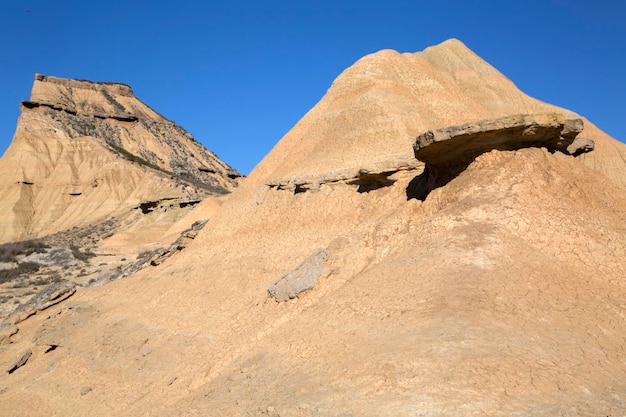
345 278
84 152
93 179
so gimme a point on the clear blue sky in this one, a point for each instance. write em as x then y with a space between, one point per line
239 74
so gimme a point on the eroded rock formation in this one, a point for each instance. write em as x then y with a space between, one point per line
84 151
46 298
367 178
300 279
499 294
448 151
85 108
20 361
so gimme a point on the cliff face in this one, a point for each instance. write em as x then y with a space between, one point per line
83 151
323 286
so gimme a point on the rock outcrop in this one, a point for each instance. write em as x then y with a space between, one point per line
367 178
186 237
6 331
448 151
152 258
459 145
49 296
84 151
300 279
20 361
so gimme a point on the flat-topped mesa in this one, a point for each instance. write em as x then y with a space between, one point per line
105 100
112 114
449 151
117 88
92 150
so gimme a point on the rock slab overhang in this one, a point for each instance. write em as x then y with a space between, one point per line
457 146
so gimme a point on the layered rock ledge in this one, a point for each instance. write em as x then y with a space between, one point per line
367 178
117 88
446 152
460 144
84 152
110 112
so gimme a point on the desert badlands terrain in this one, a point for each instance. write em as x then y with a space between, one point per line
426 241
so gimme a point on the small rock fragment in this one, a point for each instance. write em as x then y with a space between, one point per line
21 361
6 331
580 146
298 280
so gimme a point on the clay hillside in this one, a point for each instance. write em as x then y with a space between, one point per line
426 241
85 151
95 186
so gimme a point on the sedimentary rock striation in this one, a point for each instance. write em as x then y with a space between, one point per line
448 151
49 296
85 108
369 177
152 258
84 151
457 146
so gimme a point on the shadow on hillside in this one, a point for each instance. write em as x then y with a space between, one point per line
431 179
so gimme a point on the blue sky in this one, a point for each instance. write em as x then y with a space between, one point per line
239 74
